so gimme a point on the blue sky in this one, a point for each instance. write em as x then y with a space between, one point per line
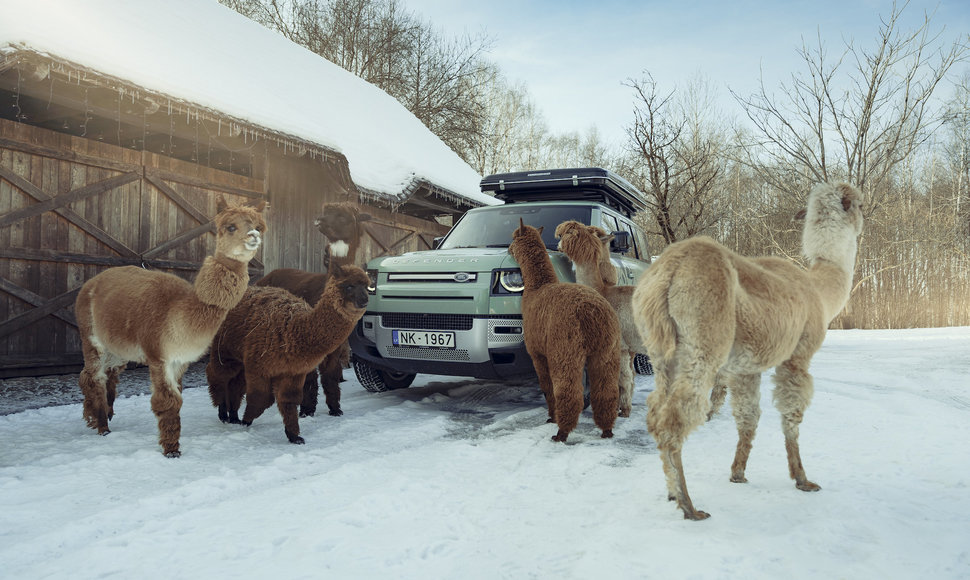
574 56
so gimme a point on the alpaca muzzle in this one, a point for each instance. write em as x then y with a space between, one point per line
253 240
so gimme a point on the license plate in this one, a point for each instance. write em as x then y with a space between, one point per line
423 339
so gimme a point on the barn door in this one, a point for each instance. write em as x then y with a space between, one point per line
66 215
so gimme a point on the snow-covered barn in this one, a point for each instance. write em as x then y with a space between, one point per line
121 122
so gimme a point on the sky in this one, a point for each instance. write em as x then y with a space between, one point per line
575 56
458 478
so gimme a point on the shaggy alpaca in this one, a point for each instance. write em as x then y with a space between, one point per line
566 327
272 339
710 316
589 249
132 314
340 223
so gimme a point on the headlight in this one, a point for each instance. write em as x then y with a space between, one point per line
509 282
372 286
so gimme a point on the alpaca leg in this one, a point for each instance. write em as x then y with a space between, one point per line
745 401
331 375
235 391
792 395
259 397
567 386
718 395
545 383
92 383
289 392
626 383
166 404
308 405
221 377
111 387
683 498
603 373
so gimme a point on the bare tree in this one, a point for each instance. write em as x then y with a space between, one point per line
854 117
678 158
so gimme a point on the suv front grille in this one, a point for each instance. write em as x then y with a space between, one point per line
418 321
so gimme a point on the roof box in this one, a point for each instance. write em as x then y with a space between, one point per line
587 183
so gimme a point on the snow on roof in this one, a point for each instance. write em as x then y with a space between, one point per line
209 55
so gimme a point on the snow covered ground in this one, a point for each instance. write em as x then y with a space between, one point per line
457 478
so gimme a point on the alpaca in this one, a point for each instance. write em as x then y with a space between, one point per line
340 224
272 339
710 316
566 327
589 249
132 314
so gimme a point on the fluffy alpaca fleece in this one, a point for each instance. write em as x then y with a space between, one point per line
566 327
340 223
710 316
589 249
272 339
132 314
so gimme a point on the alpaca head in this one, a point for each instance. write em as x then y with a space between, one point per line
340 223
833 222
581 243
350 283
526 241
239 230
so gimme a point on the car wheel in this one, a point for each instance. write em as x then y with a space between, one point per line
378 381
642 364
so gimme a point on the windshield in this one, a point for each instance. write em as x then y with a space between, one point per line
492 227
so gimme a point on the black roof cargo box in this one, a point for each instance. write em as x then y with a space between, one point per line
587 183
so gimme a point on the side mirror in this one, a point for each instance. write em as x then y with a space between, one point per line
620 243
437 242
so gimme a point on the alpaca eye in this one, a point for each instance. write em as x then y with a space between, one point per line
231 229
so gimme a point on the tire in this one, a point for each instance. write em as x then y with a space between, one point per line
642 364
377 381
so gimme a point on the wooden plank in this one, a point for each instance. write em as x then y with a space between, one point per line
33 299
187 207
31 316
59 201
179 240
67 155
66 212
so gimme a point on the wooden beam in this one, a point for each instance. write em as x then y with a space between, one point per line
24 320
33 299
53 203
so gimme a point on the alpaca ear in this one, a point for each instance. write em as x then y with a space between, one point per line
540 228
221 204
800 215
262 205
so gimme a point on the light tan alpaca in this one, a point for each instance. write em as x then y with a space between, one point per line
567 327
710 316
589 249
132 314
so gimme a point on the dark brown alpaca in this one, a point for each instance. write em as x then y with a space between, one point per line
566 327
272 339
340 223
132 314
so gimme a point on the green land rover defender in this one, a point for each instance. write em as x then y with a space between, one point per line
456 309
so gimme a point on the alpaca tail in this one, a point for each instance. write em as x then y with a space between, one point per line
651 310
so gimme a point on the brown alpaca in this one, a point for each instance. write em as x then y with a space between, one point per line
566 327
272 339
710 316
589 249
132 314
340 223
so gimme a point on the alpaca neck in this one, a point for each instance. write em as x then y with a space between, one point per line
327 325
221 282
537 269
591 275
342 252
833 284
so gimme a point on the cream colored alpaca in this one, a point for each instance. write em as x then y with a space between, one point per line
589 249
710 316
132 314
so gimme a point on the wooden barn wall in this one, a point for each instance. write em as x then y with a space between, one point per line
392 234
71 207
